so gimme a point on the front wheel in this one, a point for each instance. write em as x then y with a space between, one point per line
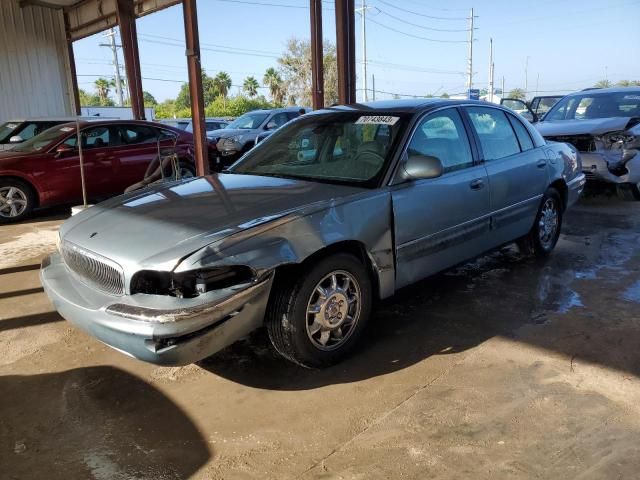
316 319
16 201
543 236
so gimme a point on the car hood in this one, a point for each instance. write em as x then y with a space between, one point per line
228 132
159 227
595 126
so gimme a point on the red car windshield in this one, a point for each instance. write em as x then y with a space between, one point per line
44 140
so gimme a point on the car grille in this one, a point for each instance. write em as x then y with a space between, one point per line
583 143
94 269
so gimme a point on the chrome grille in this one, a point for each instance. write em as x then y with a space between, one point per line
94 269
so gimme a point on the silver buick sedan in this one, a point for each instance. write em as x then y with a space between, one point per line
334 211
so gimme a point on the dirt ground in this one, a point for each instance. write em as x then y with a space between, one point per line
506 367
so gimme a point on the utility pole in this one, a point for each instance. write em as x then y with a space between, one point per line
537 83
504 94
373 87
526 77
490 92
114 49
470 66
363 13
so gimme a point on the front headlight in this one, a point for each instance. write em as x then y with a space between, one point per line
618 139
190 284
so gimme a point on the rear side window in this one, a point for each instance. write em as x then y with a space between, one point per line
497 138
522 133
134 134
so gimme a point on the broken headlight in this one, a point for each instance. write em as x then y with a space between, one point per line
618 139
190 284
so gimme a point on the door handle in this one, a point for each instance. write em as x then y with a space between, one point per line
541 163
476 184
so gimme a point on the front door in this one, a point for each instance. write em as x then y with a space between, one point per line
517 171
442 221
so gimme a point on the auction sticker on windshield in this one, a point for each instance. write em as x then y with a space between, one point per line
67 129
377 120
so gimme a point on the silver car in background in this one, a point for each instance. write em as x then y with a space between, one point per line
604 125
335 210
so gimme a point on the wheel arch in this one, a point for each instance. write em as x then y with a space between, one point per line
561 187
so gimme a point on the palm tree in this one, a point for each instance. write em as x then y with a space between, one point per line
603 84
250 86
102 88
222 83
273 81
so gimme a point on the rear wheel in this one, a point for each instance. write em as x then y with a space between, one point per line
543 236
316 319
628 191
186 170
16 200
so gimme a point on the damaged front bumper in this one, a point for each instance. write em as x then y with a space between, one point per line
600 167
158 329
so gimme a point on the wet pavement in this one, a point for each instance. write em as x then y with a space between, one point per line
505 367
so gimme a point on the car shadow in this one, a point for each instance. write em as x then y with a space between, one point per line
494 295
76 424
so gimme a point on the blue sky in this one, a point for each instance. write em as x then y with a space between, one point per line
570 44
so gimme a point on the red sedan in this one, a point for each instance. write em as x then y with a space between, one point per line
45 170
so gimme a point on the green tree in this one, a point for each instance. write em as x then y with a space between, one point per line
517 93
222 84
273 81
149 100
250 86
295 69
183 100
88 99
603 84
628 83
444 95
103 87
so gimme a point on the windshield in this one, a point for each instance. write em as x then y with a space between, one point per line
592 105
44 140
6 129
248 121
346 147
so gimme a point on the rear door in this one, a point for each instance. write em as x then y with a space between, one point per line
441 221
517 171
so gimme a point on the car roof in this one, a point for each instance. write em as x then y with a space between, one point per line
600 91
85 122
278 110
50 119
410 106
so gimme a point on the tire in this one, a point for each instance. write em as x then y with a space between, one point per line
324 338
543 236
17 200
628 192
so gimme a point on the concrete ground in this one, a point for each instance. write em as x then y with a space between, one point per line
506 367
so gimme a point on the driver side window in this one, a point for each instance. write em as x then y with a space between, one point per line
442 135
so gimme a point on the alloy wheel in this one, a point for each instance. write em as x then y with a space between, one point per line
333 310
548 223
13 202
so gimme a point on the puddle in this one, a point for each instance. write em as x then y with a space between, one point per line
632 294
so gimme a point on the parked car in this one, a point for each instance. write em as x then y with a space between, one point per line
604 126
45 170
533 110
186 124
14 132
335 210
240 135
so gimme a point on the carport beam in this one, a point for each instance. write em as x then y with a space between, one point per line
317 55
72 67
129 39
346 51
196 92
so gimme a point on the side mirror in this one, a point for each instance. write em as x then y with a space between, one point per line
420 167
16 139
63 149
271 125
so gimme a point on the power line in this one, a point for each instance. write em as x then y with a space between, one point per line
214 45
415 36
419 14
421 26
414 68
246 2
